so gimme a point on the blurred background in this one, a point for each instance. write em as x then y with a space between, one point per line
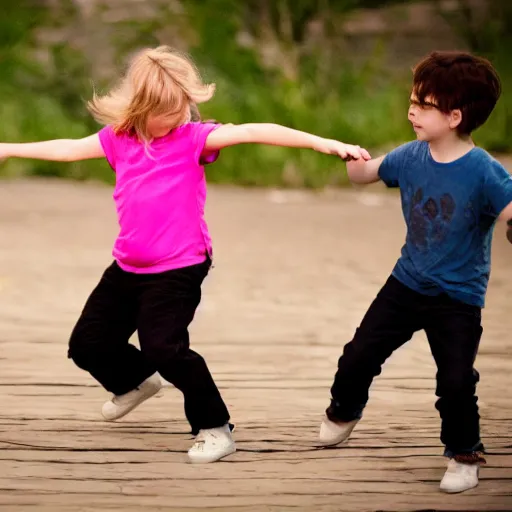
337 68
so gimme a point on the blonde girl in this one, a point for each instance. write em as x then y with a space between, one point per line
163 251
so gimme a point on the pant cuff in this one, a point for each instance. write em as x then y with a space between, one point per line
472 455
336 412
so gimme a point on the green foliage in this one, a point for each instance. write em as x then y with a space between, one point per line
41 99
308 86
489 33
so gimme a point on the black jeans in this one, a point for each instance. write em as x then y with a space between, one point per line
160 307
453 330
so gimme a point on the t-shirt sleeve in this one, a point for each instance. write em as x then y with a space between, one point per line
391 167
201 132
497 188
107 141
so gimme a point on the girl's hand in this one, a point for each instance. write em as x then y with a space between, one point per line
346 152
4 155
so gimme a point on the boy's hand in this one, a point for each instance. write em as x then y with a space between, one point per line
363 171
346 152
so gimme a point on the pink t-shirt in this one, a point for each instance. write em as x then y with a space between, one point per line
160 194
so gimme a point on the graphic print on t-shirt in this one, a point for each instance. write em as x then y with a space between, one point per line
429 220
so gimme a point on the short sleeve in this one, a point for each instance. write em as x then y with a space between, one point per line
392 165
497 187
200 134
107 141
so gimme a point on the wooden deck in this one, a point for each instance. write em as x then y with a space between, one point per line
294 274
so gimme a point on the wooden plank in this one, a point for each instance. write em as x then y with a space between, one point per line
276 312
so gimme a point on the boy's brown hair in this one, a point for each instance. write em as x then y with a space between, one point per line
458 80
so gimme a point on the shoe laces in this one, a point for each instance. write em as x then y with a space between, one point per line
203 437
119 399
460 468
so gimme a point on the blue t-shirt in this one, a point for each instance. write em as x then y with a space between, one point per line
450 210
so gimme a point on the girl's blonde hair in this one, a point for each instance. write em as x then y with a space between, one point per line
158 81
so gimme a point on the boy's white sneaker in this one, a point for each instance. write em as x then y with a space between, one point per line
333 433
120 405
459 477
212 444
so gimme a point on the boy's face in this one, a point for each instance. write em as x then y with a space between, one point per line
429 123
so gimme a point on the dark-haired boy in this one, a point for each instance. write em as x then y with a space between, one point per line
452 193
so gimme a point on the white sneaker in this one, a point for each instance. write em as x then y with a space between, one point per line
459 477
211 445
332 433
121 405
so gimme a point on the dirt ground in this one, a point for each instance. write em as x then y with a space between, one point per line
294 273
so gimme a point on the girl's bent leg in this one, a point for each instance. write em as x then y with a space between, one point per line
99 341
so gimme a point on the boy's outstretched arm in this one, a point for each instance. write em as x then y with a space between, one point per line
62 150
277 135
362 172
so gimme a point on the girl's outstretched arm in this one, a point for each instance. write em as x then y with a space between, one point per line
61 150
277 135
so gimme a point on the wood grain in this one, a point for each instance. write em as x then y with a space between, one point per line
294 273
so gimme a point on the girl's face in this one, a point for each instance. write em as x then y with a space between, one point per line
160 125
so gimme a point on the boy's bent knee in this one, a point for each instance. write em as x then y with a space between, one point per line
361 356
